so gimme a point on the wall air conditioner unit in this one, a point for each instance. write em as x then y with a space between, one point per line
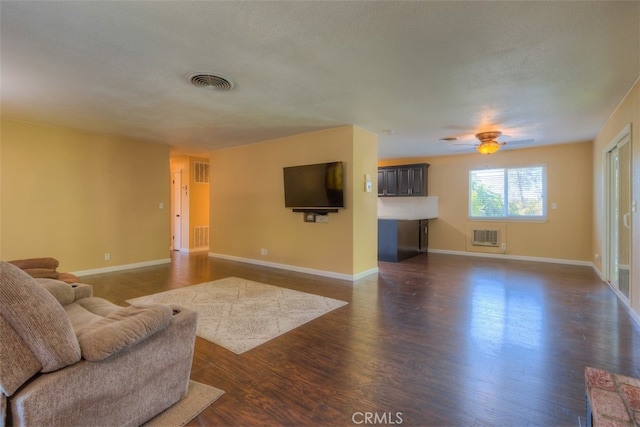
485 238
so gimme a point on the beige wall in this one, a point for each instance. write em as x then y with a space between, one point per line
565 235
1 237
627 113
365 204
76 196
247 203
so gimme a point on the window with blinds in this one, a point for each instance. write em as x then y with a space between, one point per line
511 193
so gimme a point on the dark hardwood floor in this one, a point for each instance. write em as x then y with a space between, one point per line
434 340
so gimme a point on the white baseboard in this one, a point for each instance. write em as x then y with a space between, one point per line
121 267
366 273
514 257
324 273
525 258
598 272
192 250
634 315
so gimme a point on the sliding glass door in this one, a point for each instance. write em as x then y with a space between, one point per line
618 194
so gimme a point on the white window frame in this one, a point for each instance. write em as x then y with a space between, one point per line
506 217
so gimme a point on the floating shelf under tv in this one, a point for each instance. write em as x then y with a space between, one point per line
321 211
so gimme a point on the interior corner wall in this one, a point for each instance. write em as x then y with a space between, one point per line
365 203
247 204
627 113
76 196
1 192
565 235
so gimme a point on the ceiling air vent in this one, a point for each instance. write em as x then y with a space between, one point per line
210 81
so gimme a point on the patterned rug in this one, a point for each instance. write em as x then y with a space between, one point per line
199 398
239 314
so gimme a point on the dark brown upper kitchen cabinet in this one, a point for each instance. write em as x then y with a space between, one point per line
388 181
403 180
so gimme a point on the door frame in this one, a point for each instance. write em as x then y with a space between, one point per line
625 133
176 210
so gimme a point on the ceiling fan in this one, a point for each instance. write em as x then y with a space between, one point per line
489 142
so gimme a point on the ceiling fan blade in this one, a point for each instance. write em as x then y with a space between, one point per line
467 143
456 148
462 142
519 141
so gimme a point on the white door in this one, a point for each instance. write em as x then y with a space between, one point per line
176 211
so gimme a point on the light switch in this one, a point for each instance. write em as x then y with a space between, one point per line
368 186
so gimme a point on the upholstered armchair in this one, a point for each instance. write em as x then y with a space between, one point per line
68 358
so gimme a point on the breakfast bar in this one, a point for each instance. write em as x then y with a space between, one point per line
403 227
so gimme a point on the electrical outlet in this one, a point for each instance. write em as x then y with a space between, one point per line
322 218
107 256
264 251
503 247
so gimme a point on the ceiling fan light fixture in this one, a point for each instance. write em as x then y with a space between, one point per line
488 142
488 147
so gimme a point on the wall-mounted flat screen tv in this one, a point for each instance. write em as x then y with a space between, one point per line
314 186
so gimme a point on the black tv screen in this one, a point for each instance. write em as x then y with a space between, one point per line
314 186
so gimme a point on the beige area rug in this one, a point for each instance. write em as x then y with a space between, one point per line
198 399
239 314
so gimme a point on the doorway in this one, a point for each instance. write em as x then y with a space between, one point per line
176 211
618 214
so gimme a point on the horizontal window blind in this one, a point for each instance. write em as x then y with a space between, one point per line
525 192
508 193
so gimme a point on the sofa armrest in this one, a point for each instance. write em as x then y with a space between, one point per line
38 273
68 277
44 262
121 328
82 290
66 293
62 291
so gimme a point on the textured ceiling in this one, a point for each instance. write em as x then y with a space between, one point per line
412 72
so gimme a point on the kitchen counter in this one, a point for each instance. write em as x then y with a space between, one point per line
399 239
402 225
408 208
407 217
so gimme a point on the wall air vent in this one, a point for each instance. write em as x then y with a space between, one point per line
201 237
485 238
201 172
210 81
